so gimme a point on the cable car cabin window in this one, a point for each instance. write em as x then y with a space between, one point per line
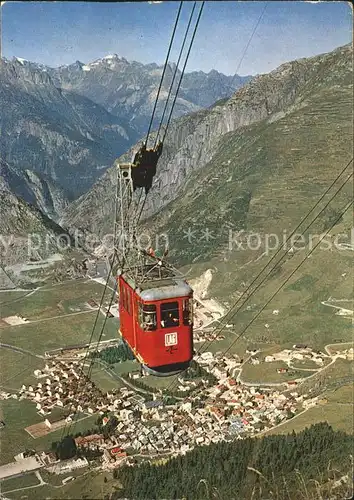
169 315
126 300
147 317
129 302
122 296
187 309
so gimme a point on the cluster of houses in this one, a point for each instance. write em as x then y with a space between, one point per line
345 354
219 365
64 385
113 453
205 336
221 412
211 417
8 395
299 352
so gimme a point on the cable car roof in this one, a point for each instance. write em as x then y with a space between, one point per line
165 290
168 288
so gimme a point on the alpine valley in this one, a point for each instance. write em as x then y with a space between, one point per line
265 408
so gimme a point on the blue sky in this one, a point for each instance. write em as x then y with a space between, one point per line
57 33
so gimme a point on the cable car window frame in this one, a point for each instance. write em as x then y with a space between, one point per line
166 308
137 310
129 301
187 311
122 296
145 310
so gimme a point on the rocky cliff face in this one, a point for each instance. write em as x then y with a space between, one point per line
19 220
193 141
40 191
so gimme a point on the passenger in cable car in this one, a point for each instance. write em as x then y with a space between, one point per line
149 322
169 315
156 254
147 317
172 320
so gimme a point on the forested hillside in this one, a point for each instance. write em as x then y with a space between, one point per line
308 465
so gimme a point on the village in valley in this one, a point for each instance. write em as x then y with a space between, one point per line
94 408
140 417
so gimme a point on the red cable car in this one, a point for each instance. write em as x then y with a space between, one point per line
156 321
155 302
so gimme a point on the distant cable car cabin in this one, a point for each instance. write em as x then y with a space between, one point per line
156 320
144 166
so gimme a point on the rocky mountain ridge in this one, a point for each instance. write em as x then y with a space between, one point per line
54 133
128 89
53 125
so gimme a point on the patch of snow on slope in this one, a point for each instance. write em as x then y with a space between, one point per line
20 60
